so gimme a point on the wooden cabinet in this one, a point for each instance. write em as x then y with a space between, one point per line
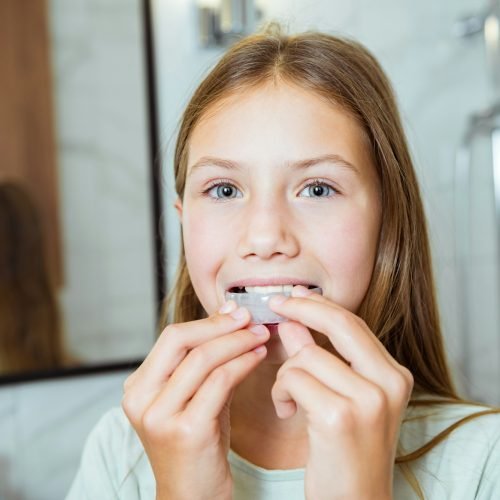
27 131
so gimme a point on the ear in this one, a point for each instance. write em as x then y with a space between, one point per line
178 207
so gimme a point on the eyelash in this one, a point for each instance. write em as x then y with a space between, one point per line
226 182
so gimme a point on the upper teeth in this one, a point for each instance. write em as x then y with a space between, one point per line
269 289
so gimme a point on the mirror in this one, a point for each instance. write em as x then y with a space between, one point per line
80 255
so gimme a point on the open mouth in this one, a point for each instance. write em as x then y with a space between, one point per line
266 289
256 299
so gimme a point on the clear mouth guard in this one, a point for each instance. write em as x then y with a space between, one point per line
257 304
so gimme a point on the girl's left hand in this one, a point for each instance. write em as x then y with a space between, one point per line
354 411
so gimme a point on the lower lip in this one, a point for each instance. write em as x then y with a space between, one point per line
273 328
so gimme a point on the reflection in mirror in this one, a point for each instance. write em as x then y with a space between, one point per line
79 280
30 329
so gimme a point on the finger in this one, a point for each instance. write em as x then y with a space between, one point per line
346 335
329 370
294 336
353 342
213 394
201 362
298 387
178 339
394 379
301 291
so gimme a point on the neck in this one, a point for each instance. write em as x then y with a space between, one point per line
257 434
252 408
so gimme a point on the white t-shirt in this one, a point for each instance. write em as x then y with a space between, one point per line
465 466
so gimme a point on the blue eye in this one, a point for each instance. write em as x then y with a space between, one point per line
319 189
223 190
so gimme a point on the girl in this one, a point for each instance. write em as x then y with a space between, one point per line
292 168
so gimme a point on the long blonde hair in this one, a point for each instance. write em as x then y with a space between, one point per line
400 305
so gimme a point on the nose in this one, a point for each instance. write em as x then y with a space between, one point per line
267 230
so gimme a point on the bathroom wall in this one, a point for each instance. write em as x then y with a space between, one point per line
438 80
43 426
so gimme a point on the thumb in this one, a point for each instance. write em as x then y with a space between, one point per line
225 423
294 336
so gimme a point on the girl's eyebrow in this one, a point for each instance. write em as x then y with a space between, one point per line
334 159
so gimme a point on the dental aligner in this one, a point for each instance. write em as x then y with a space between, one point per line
257 301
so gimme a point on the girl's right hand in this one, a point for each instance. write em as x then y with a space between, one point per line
178 401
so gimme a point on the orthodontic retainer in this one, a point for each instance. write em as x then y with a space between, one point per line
256 303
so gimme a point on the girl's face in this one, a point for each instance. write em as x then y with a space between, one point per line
260 203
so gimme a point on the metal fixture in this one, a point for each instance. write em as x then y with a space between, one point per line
487 23
222 22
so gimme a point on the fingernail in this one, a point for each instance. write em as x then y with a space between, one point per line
301 291
258 329
260 349
277 300
240 313
227 307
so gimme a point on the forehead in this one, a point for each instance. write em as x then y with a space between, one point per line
276 123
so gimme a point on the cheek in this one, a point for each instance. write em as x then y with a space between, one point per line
349 252
202 232
205 246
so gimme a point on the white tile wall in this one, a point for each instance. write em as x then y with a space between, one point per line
43 426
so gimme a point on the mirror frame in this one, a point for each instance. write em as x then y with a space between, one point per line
156 206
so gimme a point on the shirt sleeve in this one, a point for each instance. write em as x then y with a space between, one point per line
97 476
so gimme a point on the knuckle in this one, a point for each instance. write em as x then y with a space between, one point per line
130 408
399 382
308 352
375 402
176 338
156 427
345 320
403 384
409 377
199 356
171 329
290 375
125 404
184 430
173 332
186 433
127 383
361 322
149 422
221 376
280 372
339 417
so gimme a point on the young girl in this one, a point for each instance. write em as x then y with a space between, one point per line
292 168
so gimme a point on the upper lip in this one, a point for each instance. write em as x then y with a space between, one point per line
275 280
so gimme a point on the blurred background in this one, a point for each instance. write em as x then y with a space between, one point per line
91 96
